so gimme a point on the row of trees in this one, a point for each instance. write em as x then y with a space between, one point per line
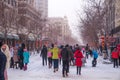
93 22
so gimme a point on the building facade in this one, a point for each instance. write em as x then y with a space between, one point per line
8 12
42 6
117 21
58 30
21 18
113 20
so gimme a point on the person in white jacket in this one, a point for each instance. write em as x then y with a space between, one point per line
6 51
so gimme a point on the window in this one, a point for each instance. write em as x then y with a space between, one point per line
12 2
9 1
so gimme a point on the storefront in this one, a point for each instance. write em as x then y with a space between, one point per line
116 34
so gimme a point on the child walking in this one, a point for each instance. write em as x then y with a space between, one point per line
26 56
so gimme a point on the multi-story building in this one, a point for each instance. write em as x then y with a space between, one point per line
29 21
116 30
113 20
20 17
42 6
59 30
8 12
110 16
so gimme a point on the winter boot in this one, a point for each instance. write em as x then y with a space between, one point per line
63 75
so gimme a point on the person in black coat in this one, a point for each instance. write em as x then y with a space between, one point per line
44 54
3 61
65 60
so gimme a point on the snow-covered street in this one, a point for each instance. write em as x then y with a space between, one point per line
38 72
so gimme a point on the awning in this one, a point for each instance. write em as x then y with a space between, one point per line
10 36
31 38
1 35
16 37
45 39
115 30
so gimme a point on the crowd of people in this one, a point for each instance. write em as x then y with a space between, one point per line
52 56
68 55
11 57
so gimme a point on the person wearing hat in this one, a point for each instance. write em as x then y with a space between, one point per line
3 61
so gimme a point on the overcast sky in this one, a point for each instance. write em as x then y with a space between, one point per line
61 8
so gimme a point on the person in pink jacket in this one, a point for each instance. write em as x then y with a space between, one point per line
49 54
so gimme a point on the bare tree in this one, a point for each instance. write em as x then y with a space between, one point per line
7 19
93 21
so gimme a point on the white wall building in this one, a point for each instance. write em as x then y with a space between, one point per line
59 28
42 6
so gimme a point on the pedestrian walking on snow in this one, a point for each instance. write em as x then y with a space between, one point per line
78 56
26 56
55 57
20 56
65 60
95 56
44 55
49 57
115 57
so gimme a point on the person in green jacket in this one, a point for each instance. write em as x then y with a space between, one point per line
26 56
55 57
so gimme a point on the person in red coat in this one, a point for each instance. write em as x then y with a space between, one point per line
115 56
118 48
78 56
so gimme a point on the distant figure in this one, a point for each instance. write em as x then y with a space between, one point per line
44 55
72 56
87 50
15 58
3 60
78 56
115 57
26 56
11 60
95 56
83 50
90 52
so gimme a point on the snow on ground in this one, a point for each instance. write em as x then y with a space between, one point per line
38 72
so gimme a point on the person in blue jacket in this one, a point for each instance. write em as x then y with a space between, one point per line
26 56
20 55
95 56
